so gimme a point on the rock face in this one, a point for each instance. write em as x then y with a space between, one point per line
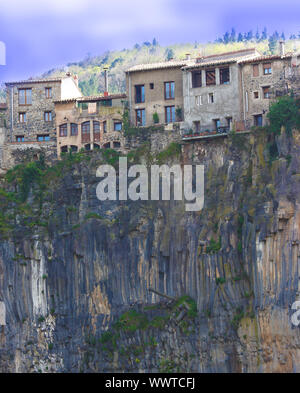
77 290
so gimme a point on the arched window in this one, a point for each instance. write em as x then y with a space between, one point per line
74 129
85 131
64 149
106 145
63 130
74 148
116 144
96 128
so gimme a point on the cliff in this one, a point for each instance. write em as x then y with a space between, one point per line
76 273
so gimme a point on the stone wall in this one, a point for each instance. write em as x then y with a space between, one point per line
154 98
35 122
256 106
226 99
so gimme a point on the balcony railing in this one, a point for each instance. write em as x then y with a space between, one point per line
205 131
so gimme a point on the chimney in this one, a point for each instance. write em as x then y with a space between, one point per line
105 81
188 56
282 47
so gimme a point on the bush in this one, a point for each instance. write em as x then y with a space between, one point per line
284 112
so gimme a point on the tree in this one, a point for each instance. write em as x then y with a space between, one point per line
272 44
169 54
264 34
249 35
284 112
226 38
240 37
233 35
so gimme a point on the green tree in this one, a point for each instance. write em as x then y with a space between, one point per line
284 112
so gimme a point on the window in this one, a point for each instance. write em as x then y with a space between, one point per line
96 128
267 69
117 126
196 79
151 85
83 105
116 144
22 117
256 95
255 70
64 149
63 130
139 94
196 126
170 114
258 120
20 138
48 92
229 122
224 76
85 131
43 138
211 98
217 124
48 116
25 97
169 90
140 117
266 92
198 100
104 127
210 77
74 129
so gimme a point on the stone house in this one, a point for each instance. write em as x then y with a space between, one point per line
263 80
155 92
31 113
212 92
90 122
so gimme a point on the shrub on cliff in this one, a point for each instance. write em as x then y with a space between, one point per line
284 112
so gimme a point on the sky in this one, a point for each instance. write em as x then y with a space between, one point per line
41 35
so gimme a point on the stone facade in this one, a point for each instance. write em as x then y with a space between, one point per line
212 91
157 95
101 116
263 80
31 111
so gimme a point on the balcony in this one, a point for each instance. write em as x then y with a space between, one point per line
205 132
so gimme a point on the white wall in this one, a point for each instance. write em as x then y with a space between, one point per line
69 89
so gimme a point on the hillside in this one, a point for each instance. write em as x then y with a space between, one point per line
90 70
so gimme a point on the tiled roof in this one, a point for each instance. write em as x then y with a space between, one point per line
266 58
159 66
91 98
28 81
224 58
101 97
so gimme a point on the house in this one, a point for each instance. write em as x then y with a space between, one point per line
264 79
155 92
90 122
30 118
212 92
30 107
